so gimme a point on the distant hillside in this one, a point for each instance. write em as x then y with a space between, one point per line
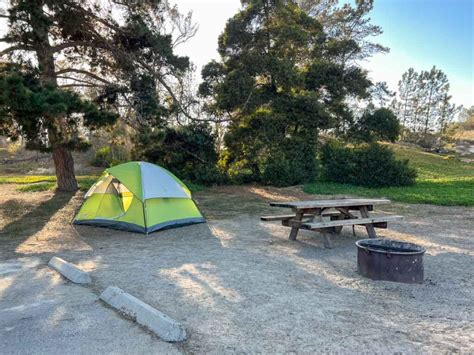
433 166
442 180
464 130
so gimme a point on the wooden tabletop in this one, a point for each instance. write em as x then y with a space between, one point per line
344 202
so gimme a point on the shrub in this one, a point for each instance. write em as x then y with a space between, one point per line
427 140
101 158
239 174
108 156
292 162
249 159
187 151
277 171
370 165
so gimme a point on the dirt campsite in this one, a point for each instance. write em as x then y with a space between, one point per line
236 177
236 283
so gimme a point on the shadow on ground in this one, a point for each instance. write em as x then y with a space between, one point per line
28 218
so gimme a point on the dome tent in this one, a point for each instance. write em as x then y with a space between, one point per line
138 197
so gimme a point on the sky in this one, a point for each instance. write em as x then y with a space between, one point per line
419 33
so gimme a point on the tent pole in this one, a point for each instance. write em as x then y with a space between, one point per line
144 199
144 216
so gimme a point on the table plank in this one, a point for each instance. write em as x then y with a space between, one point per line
349 222
290 216
333 203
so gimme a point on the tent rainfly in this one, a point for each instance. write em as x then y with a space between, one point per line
138 197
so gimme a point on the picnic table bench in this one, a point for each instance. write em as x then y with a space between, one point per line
329 216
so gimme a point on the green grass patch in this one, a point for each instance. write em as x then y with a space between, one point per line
436 192
37 187
85 182
37 183
442 180
433 166
26 179
47 182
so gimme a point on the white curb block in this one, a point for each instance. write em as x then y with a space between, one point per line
69 271
165 327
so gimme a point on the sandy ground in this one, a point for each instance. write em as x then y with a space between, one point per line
237 284
40 312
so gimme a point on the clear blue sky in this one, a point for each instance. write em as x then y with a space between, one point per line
423 33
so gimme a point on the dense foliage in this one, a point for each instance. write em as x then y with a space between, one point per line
32 110
288 70
119 54
281 79
110 155
371 165
375 125
188 151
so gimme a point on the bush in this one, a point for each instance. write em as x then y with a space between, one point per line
370 165
102 157
238 174
292 163
426 141
108 156
187 151
277 171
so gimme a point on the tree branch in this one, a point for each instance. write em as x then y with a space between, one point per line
15 48
75 79
81 71
95 17
216 120
166 86
80 85
193 155
65 45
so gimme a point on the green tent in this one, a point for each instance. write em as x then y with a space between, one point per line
138 197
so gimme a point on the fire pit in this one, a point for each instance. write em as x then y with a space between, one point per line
390 260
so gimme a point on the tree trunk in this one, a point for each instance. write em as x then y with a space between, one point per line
64 164
62 157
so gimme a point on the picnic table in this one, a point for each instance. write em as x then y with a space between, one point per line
329 216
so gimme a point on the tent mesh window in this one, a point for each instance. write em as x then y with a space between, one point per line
115 201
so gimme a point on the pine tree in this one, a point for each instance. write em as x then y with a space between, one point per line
435 87
349 25
117 52
381 94
423 104
280 80
407 87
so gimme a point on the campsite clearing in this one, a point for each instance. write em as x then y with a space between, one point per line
237 284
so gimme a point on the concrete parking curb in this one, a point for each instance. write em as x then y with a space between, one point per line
69 271
165 327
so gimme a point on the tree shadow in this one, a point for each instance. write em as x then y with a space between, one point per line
25 225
